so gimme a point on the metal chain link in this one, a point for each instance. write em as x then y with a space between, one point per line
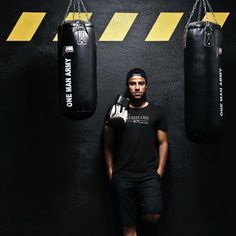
84 8
75 3
209 6
191 15
78 9
74 6
188 22
204 4
199 11
67 11
205 10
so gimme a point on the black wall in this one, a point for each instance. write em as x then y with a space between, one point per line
52 172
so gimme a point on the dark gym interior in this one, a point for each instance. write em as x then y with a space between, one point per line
53 175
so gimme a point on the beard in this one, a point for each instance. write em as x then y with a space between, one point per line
136 101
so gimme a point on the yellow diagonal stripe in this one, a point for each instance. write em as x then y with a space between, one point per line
77 16
118 27
164 26
221 17
26 26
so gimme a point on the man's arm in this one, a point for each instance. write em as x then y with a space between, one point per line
108 145
163 151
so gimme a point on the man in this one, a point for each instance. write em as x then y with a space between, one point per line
136 155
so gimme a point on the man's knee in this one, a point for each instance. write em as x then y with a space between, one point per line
129 231
152 218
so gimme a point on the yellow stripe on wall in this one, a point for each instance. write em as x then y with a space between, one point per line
116 30
78 16
118 27
164 26
26 26
221 17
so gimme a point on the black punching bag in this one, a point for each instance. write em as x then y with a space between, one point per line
77 68
203 82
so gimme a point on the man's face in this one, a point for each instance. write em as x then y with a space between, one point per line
137 87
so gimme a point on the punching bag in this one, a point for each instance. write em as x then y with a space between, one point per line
203 81
77 68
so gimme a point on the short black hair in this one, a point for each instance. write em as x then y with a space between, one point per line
136 71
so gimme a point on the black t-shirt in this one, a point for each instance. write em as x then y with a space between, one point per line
135 151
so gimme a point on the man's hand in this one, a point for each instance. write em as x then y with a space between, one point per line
160 171
110 173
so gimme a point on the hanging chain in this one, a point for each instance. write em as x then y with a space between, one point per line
191 15
205 4
74 5
67 10
202 4
199 11
85 10
209 6
205 10
77 3
189 20
78 8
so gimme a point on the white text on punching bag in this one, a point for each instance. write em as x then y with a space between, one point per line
68 85
221 91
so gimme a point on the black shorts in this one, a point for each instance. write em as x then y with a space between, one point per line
135 196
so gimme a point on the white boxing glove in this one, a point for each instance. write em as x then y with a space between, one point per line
118 112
